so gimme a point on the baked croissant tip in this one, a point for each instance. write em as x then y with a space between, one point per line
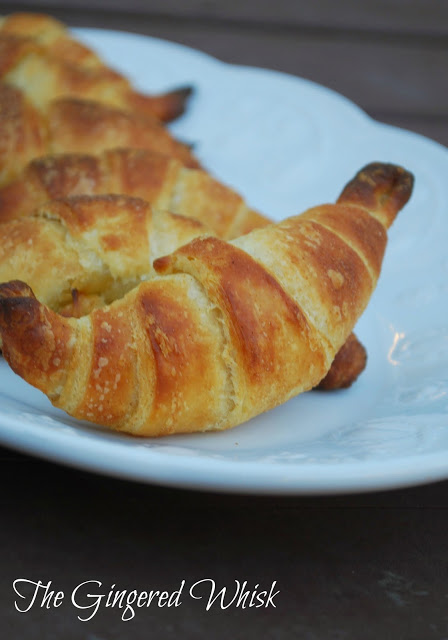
380 187
183 92
348 364
19 309
15 289
394 177
175 102
34 340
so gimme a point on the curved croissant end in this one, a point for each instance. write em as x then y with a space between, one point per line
32 344
227 331
134 365
350 361
165 107
383 189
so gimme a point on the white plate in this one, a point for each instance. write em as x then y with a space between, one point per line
286 144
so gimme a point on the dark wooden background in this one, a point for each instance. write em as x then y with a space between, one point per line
349 567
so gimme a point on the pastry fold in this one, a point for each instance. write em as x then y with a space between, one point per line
226 331
81 252
73 125
157 178
39 56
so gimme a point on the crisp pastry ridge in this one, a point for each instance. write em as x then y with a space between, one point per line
81 252
37 46
228 329
74 125
157 178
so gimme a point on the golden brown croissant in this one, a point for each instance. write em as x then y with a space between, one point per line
75 126
155 177
38 56
227 331
23 134
93 247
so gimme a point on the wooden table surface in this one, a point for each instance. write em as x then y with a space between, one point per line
348 567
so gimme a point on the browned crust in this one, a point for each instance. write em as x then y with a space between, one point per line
76 71
111 385
128 171
80 125
75 126
153 176
85 212
333 271
23 133
362 232
264 323
165 107
381 188
349 363
177 353
33 345
65 175
100 245
139 172
15 289
12 49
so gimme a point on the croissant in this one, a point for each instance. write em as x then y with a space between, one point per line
23 134
161 180
82 252
71 125
154 177
37 46
226 331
